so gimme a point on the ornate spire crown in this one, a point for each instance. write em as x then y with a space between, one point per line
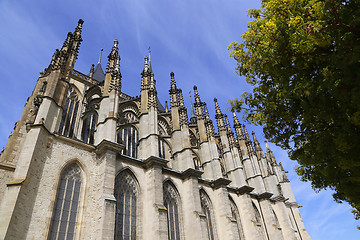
219 116
198 105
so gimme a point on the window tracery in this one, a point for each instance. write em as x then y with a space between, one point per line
258 220
207 211
68 119
64 218
237 227
129 137
172 204
89 127
126 195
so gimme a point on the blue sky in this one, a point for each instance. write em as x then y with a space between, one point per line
187 37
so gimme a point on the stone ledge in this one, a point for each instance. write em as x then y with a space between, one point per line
278 198
16 181
160 207
152 160
291 204
7 166
109 197
191 172
220 182
200 214
265 195
244 189
105 145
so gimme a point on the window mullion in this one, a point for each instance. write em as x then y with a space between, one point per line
70 208
62 208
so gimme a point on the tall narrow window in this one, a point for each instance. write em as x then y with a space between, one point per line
129 137
68 119
206 210
259 222
126 194
237 227
89 127
197 163
66 206
172 204
161 148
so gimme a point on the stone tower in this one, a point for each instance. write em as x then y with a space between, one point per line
87 161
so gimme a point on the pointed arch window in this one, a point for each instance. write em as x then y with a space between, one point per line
68 119
171 202
89 127
259 223
207 211
126 195
236 225
129 137
197 163
64 218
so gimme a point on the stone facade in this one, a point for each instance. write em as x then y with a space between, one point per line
143 171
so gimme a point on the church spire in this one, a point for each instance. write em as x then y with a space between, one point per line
269 154
219 116
66 57
114 58
98 71
229 132
184 121
192 116
150 67
210 129
238 129
248 142
198 105
101 51
258 150
174 97
91 73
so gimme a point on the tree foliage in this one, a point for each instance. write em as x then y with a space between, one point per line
303 59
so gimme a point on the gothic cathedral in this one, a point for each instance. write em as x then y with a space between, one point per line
88 161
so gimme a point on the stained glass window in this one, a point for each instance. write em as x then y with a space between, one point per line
66 206
172 204
237 227
89 127
68 119
259 223
129 137
126 194
206 210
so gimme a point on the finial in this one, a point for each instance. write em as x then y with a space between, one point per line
80 22
173 83
267 145
269 153
101 50
150 60
77 32
192 117
219 116
258 149
246 133
218 110
227 123
236 121
166 107
181 98
91 74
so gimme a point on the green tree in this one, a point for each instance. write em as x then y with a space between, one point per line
303 60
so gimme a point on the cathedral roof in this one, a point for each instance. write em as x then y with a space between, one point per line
99 73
